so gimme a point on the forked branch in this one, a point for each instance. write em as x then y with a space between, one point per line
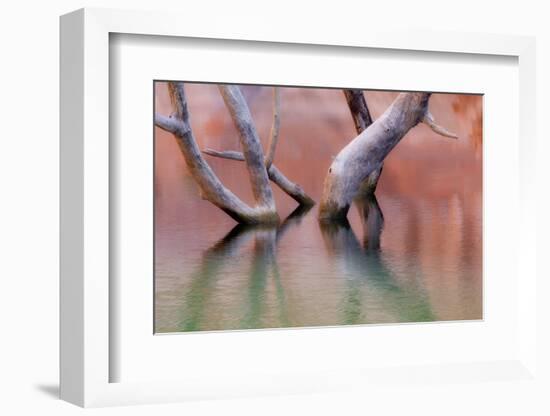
210 186
366 153
275 175
250 143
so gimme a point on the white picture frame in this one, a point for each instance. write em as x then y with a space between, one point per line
86 356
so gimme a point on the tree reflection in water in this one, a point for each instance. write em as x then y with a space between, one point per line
264 261
364 268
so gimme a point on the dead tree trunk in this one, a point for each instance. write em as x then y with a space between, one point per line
210 186
362 119
292 189
251 145
365 154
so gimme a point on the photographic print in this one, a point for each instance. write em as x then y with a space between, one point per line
289 207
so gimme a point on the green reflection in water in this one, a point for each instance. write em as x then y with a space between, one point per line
362 267
263 260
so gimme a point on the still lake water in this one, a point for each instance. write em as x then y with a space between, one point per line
412 254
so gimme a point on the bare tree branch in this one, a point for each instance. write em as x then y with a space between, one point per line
250 142
362 119
275 175
367 152
429 120
166 123
226 154
358 108
274 134
292 189
210 186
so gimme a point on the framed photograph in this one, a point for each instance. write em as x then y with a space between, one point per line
282 212
279 259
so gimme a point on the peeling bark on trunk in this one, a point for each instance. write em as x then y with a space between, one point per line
210 186
365 154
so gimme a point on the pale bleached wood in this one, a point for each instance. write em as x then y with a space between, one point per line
251 145
225 154
292 189
275 175
366 153
167 123
442 131
211 187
